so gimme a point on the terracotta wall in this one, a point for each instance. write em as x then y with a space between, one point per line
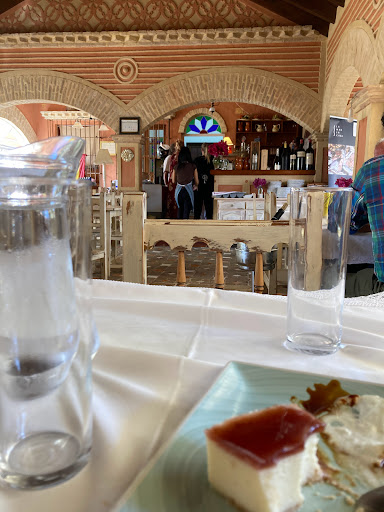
43 129
108 67
36 120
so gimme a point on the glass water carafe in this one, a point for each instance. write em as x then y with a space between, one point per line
45 370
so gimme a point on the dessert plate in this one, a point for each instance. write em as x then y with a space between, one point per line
177 480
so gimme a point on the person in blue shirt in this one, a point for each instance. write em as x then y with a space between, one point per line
368 210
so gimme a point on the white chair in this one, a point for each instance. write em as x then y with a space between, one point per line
99 232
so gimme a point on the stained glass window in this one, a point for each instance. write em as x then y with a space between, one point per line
201 125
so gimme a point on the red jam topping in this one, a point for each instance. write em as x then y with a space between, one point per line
262 438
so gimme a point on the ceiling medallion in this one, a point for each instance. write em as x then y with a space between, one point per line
127 155
125 70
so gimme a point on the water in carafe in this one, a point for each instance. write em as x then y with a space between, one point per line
38 323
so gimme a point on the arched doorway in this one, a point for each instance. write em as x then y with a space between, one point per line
350 63
41 85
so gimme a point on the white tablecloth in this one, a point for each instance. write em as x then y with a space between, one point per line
161 349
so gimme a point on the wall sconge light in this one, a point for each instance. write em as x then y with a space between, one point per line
103 128
103 157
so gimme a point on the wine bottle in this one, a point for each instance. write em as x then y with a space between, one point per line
300 156
285 157
292 158
254 162
277 161
309 158
280 212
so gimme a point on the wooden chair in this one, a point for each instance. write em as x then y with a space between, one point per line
114 221
99 232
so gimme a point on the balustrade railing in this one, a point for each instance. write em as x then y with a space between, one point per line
141 235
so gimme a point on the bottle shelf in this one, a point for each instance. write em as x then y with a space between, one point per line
226 172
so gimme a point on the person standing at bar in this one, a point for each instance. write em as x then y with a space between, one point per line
203 194
169 167
185 177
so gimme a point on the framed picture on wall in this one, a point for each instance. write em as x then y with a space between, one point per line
110 145
129 125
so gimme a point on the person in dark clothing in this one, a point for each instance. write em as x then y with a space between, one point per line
186 179
203 195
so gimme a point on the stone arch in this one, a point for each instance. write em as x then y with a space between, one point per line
14 115
239 84
203 112
344 85
350 61
40 85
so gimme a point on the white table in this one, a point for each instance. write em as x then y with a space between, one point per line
161 349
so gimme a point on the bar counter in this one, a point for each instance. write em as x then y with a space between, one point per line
241 181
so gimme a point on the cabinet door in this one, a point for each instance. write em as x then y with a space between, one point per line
249 215
231 215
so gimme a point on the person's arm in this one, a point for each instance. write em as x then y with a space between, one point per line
166 168
196 177
173 175
359 213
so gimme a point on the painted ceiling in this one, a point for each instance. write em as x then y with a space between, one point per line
126 15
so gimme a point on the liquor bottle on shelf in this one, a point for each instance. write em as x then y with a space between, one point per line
280 212
309 158
277 161
292 157
285 157
300 160
254 162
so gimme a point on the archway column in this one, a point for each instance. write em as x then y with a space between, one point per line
320 145
129 151
368 108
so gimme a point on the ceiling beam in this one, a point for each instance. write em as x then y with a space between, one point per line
337 3
319 8
5 5
312 12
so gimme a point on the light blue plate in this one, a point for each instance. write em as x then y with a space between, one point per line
177 482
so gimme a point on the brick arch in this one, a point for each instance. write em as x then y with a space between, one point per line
14 115
42 86
356 56
239 84
202 112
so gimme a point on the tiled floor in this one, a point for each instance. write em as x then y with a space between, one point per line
199 268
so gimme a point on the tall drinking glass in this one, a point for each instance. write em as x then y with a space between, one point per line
319 226
80 231
45 347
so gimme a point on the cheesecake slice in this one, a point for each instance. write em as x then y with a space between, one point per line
261 460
